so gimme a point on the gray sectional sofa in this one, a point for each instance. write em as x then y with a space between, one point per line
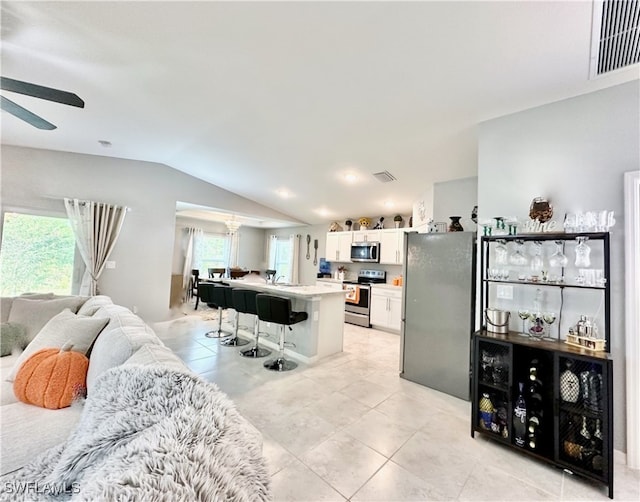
148 429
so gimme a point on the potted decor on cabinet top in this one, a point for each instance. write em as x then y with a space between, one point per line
397 220
348 224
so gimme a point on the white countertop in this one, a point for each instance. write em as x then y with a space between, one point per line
283 290
387 286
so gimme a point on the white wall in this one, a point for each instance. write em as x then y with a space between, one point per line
455 198
39 179
574 152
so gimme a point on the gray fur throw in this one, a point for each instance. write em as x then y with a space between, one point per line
150 433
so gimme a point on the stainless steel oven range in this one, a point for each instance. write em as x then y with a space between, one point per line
357 305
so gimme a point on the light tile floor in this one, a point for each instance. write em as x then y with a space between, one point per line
349 428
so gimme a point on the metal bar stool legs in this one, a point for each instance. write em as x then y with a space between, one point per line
280 363
256 351
235 340
278 310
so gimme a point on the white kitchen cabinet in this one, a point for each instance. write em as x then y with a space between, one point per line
338 247
329 284
366 236
386 307
392 246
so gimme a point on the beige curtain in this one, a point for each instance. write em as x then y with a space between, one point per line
96 227
192 235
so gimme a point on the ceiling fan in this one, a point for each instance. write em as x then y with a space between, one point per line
36 91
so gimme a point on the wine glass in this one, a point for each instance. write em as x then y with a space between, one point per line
501 253
549 318
518 258
537 262
558 259
524 315
582 253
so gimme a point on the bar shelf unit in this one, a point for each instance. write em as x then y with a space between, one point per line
575 416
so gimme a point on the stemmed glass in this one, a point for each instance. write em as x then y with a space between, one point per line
558 259
549 318
501 253
582 253
518 258
536 262
524 315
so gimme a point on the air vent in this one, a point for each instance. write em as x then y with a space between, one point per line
384 176
615 39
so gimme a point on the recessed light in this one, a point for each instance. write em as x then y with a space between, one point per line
350 178
322 211
284 193
105 143
389 203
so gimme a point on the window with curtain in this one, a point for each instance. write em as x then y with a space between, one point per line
283 257
36 255
211 251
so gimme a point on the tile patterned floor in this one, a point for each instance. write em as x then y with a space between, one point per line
348 428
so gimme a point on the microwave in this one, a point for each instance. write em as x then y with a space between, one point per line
365 251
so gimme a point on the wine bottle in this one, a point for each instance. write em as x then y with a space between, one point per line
520 419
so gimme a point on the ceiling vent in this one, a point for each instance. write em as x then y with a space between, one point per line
384 176
615 38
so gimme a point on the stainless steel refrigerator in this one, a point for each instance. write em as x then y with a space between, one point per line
439 310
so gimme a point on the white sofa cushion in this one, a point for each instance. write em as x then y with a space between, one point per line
5 308
65 327
92 305
115 345
29 430
119 317
34 314
150 354
6 388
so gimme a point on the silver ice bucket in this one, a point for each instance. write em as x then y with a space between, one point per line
497 320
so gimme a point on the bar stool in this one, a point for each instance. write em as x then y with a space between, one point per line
244 300
220 297
277 310
230 298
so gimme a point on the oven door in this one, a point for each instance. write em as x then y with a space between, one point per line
356 304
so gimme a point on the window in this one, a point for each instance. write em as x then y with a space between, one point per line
211 251
36 255
281 257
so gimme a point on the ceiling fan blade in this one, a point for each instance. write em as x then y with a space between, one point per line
22 113
39 91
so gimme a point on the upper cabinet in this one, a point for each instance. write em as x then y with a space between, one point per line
391 246
338 247
366 236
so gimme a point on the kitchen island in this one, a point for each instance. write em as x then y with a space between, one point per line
320 335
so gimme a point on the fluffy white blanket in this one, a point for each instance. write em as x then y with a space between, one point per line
150 433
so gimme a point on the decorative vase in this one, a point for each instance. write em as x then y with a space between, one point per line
455 225
364 227
397 224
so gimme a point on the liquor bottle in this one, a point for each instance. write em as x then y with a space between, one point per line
569 385
533 433
520 419
486 412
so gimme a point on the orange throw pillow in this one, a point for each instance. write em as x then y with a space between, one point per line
52 378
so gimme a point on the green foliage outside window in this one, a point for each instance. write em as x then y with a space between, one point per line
36 255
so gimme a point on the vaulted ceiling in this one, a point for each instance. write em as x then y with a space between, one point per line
279 102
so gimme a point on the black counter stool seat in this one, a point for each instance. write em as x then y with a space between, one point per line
244 301
277 310
216 296
230 297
